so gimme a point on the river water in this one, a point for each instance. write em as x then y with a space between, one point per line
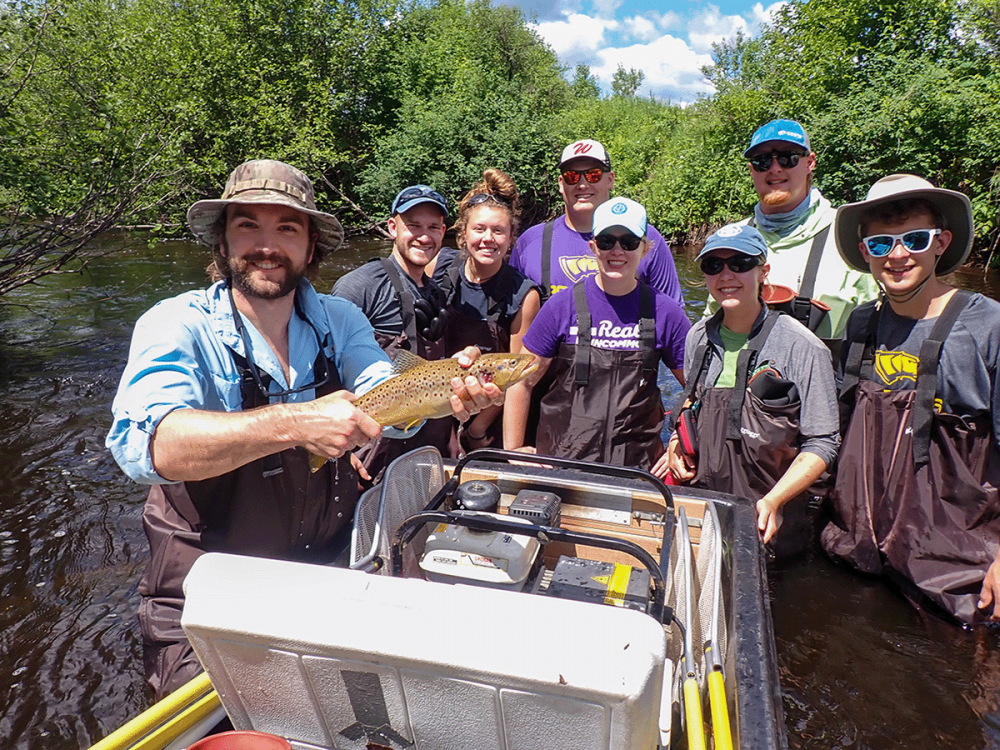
859 667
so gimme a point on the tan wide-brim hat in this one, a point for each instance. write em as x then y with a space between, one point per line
954 207
265 182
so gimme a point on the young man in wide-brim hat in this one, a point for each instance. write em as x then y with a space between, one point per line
916 495
224 389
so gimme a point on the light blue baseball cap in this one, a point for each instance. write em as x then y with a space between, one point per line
742 238
787 131
620 212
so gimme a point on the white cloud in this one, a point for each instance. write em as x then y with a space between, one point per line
760 15
710 26
577 37
672 70
641 28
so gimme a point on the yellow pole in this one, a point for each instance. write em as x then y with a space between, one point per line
166 720
720 711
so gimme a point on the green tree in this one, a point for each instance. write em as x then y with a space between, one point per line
584 83
626 82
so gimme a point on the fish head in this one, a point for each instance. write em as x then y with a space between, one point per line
504 369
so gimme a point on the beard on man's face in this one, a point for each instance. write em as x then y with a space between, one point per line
240 273
776 198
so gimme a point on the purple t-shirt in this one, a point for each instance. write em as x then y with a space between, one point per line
572 259
614 324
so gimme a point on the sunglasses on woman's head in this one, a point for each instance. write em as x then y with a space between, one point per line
915 241
606 242
786 159
480 198
712 265
572 176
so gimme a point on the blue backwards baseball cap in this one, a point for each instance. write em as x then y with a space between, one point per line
787 131
415 195
742 238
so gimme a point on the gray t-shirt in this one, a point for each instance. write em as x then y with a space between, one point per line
967 370
370 288
797 355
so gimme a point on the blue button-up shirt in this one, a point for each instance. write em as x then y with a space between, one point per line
181 358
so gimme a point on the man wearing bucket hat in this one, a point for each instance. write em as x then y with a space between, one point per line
601 344
228 389
406 307
916 497
807 278
758 415
555 254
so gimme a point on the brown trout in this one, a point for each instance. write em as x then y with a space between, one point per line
422 390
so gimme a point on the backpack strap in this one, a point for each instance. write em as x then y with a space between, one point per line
647 332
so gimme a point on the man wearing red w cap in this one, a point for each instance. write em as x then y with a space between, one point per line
556 254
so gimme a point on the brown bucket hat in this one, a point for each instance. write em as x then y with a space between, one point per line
267 182
955 208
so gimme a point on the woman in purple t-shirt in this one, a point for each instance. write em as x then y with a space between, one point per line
600 343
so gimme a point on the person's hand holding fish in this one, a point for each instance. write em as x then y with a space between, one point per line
461 386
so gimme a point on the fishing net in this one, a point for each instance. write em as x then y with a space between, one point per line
408 485
711 613
682 596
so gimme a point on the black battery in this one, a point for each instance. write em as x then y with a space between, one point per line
608 583
542 508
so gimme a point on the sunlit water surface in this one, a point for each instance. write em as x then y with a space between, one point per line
859 667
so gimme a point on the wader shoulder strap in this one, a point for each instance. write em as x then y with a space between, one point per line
497 308
927 369
858 360
745 363
405 302
547 259
581 357
700 360
450 282
812 264
647 332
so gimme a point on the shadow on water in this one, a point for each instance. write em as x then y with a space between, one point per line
860 669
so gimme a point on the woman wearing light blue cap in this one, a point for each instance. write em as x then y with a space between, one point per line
600 342
758 417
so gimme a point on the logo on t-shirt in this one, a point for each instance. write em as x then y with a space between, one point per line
895 367
578 267
607 335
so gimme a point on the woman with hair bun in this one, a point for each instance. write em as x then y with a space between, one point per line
493 303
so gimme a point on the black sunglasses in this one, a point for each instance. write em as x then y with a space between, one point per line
572 176
606 242
712 265
418 191
480 198
786 159
323 366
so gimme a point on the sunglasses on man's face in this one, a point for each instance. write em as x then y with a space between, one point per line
606 242
572 176
916 241
786 159
712 265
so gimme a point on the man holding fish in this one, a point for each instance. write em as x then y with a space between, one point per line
227 391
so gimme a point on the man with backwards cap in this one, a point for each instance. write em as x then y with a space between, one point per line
406 307
555 255
601 342
795 220
226 392
916 496
758 416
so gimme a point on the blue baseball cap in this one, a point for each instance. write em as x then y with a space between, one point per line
620 212
415 195
787 131
742 238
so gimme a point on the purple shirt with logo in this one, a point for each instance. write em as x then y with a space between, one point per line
572 259
614 324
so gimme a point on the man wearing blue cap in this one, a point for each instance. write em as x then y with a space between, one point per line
795 220
407 309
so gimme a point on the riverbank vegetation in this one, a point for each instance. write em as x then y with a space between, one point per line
123 112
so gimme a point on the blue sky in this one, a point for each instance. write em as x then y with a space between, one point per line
668 41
